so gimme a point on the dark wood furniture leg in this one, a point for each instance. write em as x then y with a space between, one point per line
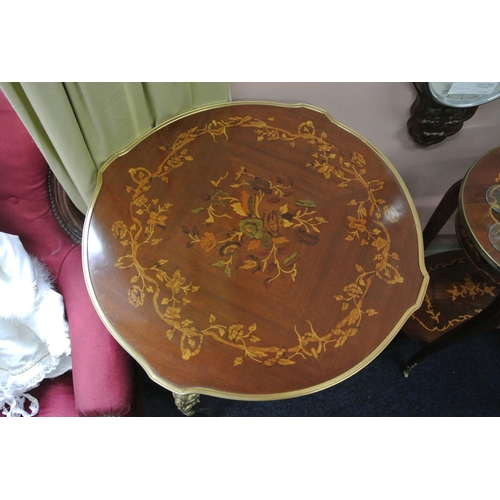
442 214
486 320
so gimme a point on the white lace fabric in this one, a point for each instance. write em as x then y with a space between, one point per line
34 334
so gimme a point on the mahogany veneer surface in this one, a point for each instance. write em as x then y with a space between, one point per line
253 251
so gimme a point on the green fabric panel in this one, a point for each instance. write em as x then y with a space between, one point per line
172 99
78 126
110 115
172 102
207 93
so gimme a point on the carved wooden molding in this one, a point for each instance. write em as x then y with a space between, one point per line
70 218
430 122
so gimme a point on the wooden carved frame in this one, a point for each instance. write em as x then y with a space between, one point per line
68 216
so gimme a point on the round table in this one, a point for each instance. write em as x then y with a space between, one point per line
252 251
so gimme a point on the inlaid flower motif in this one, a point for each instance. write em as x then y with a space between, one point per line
173 312
139 200
379 243
235 332
353 291
357 224
176 282
219 198
208 242
272 222
119 229
455 294
253 228
274 135
358 159
136 296
259 184
230 248
157 219
253 264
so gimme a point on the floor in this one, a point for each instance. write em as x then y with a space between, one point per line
462 381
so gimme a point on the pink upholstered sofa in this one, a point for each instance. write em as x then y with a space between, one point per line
102 381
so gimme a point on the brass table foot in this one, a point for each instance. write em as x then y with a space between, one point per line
186 402
408 369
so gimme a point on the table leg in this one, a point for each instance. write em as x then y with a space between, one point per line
483 322
442 213
186 402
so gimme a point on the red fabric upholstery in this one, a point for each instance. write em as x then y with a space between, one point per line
97 376
24 202
102 379
56 397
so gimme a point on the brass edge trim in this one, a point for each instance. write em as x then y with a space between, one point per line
467 226
254 397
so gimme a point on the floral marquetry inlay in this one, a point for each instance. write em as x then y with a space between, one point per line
269 224
253 251
430 317
257 225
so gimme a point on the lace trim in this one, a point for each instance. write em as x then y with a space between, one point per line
14 393
14 406
29 366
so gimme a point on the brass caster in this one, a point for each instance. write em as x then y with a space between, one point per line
186 402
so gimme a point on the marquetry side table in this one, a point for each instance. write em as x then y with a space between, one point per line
463 297
252 251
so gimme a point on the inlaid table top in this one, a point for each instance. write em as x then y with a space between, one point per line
477 215
253 251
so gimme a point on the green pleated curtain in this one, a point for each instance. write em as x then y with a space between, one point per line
78 126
